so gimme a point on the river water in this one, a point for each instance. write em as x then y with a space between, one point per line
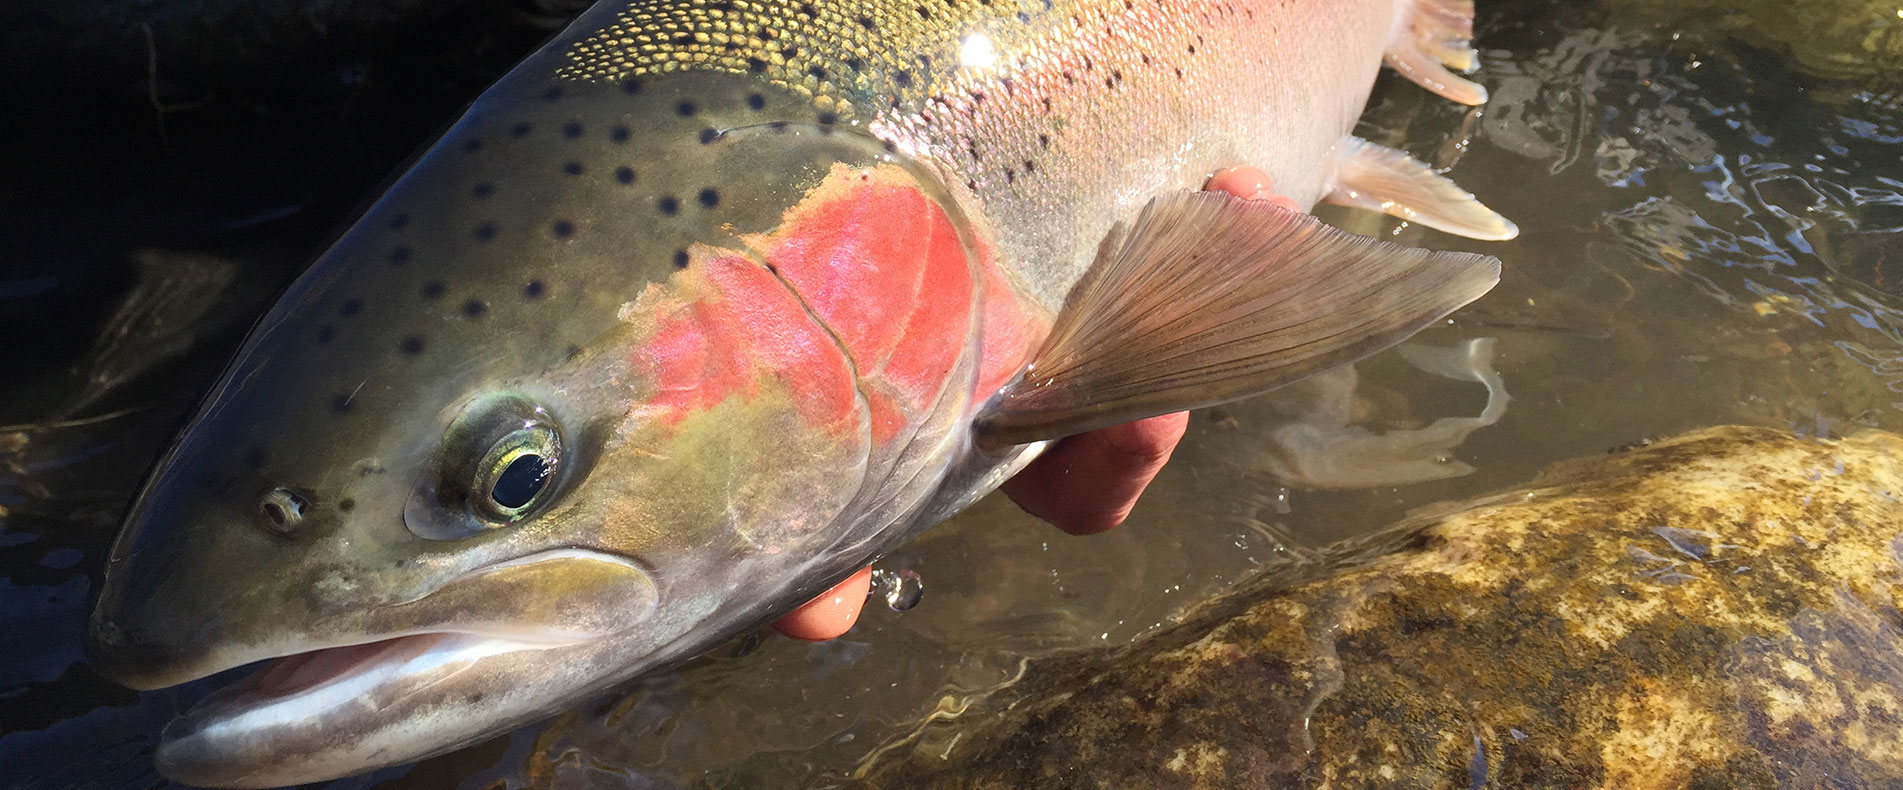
1711 204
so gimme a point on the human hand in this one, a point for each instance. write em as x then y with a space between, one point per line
1083 484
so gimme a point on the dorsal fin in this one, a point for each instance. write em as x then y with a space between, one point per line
1209 298
1382 179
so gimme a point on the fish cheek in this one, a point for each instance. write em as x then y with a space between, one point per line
746 475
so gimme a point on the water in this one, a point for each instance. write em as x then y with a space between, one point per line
1712 216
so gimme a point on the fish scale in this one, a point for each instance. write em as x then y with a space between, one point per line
708 304
1119 99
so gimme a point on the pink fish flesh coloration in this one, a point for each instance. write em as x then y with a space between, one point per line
709 303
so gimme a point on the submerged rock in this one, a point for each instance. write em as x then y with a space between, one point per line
1714 610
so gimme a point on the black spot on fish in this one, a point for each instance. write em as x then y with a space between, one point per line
551 94
680 259
774 270
340 402
325 333
709 135
631 87
817 72
482 191
685 109
828 118
721 5
1010 176
866 22
1192 49
809 10
1029 167
1024 17
624 174
486 231
572 352
520 130
256 456
1044 141
1047 105
889 146
399 256
756 65
756 102
709 197
472 145
572 168
562 228
347 505
399 221
350 307
683 38
620 134
474 308
571 130
412 345
1179 73
923 13
789 52
777 126
533 290
903 78
668 205
433 289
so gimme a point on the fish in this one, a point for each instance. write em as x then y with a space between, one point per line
707 304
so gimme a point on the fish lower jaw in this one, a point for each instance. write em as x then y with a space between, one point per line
301 712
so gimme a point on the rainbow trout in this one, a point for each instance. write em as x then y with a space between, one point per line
709 303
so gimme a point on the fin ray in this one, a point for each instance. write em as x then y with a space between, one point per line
1208 298
1434 39
1379 178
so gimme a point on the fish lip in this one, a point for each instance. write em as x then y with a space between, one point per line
242 733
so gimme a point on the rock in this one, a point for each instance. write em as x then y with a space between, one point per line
1714 610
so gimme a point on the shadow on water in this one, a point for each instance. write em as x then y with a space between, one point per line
1712 215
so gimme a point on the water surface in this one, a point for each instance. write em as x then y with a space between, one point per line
1711 200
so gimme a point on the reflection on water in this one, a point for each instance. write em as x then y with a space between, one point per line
1712 216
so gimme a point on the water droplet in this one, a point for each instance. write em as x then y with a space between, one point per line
901 590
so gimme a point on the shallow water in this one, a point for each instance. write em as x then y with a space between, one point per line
1712 216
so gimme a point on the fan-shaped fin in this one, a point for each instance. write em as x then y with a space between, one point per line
1382 179
1209 298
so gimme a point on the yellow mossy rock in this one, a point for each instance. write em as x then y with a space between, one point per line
1715 610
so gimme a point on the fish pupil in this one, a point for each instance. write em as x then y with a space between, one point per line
518 484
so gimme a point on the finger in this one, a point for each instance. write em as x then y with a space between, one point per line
1089 482
1243 182
831 614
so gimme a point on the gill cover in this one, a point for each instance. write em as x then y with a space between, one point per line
613 373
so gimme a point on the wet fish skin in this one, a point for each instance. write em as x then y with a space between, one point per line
608 249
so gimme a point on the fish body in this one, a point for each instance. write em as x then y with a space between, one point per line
709 303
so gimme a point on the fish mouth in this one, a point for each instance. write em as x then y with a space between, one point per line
336 711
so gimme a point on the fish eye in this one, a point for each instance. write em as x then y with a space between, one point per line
501 463
516 473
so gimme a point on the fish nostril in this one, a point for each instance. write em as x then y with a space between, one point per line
283 510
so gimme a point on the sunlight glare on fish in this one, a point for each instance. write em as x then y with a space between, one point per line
977 51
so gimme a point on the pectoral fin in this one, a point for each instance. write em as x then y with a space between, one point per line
1209 298
1382 179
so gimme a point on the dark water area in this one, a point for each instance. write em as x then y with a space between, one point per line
1711 204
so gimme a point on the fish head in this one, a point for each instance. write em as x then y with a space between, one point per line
584 393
